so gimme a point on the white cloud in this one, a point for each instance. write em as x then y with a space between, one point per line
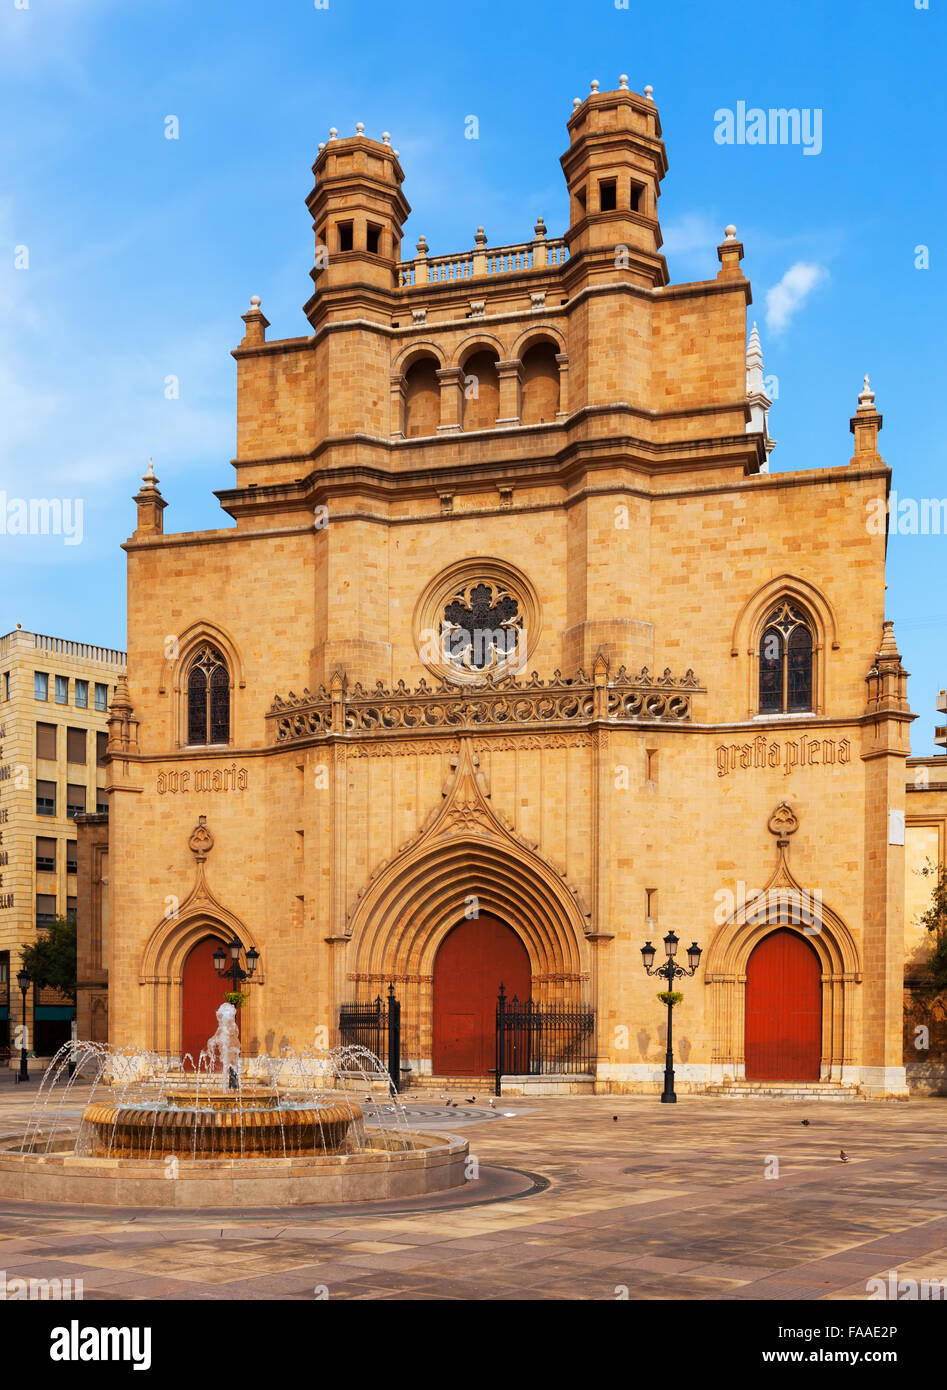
785 299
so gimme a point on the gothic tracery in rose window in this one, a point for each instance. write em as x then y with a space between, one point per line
482 628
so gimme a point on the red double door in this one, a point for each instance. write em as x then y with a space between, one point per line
474 959
783 1010
202 993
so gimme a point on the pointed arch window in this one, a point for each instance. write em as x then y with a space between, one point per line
208 697
786 651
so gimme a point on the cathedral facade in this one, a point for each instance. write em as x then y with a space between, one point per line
512 657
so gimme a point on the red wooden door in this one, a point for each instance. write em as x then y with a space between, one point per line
202 993
783 1010
473 960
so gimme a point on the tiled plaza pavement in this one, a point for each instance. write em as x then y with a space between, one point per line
668 1203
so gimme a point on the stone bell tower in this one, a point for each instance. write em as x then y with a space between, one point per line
613 168
358 211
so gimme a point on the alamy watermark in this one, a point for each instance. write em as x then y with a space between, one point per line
42 516
779 125
906 516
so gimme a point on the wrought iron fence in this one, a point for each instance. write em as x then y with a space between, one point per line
377 1026
543 1039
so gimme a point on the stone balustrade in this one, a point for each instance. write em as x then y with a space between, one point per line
494 703
539 254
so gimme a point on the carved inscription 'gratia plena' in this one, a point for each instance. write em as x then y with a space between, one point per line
788 754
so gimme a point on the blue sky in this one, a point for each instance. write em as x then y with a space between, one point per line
143 252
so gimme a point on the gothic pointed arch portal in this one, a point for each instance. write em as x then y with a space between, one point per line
170 1022
467 862
784 906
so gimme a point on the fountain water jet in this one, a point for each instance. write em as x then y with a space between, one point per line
268 1130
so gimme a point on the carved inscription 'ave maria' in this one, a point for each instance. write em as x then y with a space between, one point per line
203 779
788 754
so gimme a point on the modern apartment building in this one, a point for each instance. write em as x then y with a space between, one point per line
54 698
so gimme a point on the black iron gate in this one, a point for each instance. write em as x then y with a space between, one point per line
377 1026
543 1039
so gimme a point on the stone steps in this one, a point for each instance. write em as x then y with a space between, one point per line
788 1090
455 1086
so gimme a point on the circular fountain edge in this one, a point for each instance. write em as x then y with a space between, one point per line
429 1163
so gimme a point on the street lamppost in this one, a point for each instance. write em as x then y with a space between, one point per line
670 971
237 975
23 980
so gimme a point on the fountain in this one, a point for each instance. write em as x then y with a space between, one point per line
317 1126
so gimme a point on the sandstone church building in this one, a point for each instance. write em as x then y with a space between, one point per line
511 656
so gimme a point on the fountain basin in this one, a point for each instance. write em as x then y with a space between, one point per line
216 1125
427 1163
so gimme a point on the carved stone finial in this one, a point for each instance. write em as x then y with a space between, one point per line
201 841
783 823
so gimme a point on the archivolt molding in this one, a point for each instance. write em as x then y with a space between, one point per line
537 333
201 914
478 342
783 903
748 630
414 352
192 637
466 851
748 627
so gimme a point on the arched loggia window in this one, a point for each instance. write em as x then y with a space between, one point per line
786 662
208 697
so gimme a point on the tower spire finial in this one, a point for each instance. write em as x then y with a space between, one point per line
865 425
150 504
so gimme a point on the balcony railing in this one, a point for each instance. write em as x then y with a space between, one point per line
541 254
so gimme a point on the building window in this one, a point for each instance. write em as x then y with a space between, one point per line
72 857
346 236
481 628
208 698
101 697
40 685
62 690
45 909
82 694
786 662
101 807
71 910
75 799
45 798
101 749
45 854
6 685
607 195
46 741
75 745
